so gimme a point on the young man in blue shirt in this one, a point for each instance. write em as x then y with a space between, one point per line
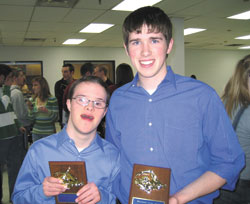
167 120
78 141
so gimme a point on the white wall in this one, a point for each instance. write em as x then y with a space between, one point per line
53 57
213 67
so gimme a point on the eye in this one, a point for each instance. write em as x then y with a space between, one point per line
83 99
154 41
135 42
99 103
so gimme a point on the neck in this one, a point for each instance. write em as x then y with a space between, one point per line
151 83
81 140
70 80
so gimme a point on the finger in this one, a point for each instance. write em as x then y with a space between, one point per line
88 194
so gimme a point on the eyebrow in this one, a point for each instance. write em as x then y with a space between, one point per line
100 99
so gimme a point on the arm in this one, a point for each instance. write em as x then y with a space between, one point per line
51 109
64 98
29 184
205 184
57 90
19 106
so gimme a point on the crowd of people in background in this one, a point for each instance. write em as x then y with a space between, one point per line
155 118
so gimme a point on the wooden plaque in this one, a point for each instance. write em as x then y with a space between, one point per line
73 173
149 185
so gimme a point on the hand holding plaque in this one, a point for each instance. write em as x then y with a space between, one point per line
149 185
73 176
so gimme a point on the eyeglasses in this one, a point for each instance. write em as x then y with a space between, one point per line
83 101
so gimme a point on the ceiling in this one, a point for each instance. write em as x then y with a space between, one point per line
23 23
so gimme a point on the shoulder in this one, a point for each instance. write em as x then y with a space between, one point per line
52 99
44 144
109 147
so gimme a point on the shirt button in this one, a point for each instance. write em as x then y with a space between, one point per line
150 100
151 149
150 124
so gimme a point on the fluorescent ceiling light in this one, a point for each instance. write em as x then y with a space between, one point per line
131 5
96 28
245 47
189 31
73 41
241 16
246 37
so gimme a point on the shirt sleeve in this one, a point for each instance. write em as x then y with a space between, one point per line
28 188
226 154
19 106
52 107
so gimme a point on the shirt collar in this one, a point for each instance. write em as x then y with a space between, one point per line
169 78
64 137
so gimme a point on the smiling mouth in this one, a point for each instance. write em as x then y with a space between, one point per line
87 117
146 62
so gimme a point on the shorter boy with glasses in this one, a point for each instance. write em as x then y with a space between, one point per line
78 141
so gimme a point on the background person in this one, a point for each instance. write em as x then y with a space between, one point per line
102 72
167 120
67 72
236 98
43 109
124 75
78 141
10 143
19 105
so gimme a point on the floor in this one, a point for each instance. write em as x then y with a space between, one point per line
5 199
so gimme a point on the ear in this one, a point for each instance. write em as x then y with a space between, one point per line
170 45
126 49
104 113
68 103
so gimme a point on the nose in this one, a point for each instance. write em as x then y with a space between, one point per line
146 50
90 106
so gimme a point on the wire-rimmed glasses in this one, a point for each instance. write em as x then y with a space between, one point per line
84 101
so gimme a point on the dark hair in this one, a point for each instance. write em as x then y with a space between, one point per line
45 92
5 70
16 72
89 79
70 66
193 76
124 74
87 67
155 19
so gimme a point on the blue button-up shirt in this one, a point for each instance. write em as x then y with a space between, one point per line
101 160
182 125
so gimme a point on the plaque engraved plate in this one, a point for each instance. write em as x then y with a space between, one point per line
73 175
149 185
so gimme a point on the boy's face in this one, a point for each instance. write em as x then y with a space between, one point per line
85 119
147 52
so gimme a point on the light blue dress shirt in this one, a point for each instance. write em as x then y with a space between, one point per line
101 160
182 125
